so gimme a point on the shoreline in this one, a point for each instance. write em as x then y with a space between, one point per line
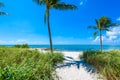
47 49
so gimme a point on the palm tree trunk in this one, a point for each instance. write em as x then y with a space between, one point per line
49 32
100 40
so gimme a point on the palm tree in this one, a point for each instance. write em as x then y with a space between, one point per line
56 4
102 24
2 13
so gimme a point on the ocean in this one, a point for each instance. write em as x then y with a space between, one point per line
75 47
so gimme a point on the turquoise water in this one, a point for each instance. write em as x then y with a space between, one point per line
78 47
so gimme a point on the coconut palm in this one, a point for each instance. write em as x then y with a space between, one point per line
56 4
102 24
2 13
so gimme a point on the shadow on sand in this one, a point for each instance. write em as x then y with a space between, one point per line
69 61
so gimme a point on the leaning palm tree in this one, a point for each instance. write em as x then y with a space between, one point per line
56 4
102 24
2 13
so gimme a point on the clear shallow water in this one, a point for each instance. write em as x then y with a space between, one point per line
76 47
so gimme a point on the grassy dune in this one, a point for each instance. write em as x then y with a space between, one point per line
107 63
25 64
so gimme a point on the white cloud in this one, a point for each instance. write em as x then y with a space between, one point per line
22 41
2 42
98 38
111 37
81 3
114 32
90 38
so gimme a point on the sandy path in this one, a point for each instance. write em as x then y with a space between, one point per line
74 68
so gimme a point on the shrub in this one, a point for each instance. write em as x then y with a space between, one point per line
25 46
21 46
107 62
25 64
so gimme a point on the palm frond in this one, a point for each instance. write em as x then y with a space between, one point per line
94 27
95 33
104 21
97 23
52 2
1 4
45 16
106 29
39 2
63 6
112 24
3 13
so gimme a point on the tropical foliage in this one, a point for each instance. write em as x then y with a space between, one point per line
25 64
56 4
2 13
21 46
106 63
102 24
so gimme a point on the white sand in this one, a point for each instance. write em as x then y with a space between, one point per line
73 68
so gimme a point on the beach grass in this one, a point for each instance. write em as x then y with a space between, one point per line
106 63
25 64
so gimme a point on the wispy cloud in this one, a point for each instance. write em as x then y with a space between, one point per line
111 37
118 19
23 41
82 2
56 40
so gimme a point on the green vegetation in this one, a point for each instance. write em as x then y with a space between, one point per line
56 4
102 24
107 62
25 64
21 46
2 13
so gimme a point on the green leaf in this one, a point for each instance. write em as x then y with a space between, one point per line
95 33
63 6
39 2
3 13
107 29
1 4
113 24
97 23
94 27
45 16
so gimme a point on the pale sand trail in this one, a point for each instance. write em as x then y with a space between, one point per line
74 68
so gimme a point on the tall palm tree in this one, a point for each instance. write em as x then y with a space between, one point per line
102 24
56 4
2 13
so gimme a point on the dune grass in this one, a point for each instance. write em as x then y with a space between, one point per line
25 64
107 63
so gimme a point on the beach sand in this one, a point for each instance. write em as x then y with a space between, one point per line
74 68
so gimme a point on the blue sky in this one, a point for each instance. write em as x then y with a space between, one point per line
25 24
